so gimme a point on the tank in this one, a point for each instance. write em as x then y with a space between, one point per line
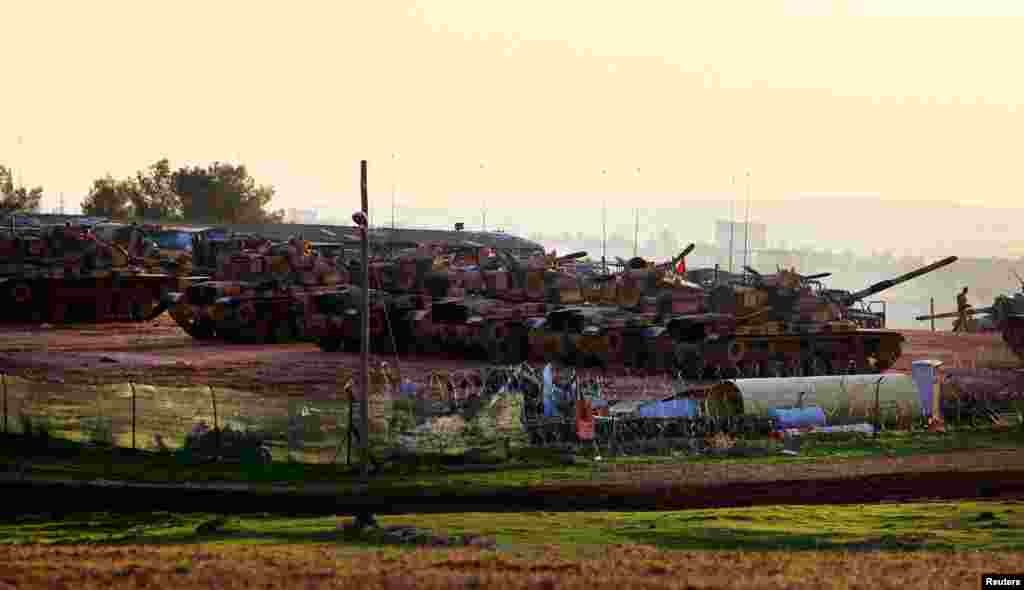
259 290
67 273
589 335
1006 314
785 324
618 322
433 298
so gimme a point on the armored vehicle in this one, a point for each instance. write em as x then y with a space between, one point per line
66 273
785 325
259 290
459 298
1006 314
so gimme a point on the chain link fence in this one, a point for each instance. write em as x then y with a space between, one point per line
439 415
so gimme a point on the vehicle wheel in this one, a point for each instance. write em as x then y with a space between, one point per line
280 332
264 456
329 344
201 330
504 345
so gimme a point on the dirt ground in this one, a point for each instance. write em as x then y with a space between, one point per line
956 350
160 353
621 566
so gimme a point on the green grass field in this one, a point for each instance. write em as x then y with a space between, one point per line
977 526
525 466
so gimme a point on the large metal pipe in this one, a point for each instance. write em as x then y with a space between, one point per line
844 398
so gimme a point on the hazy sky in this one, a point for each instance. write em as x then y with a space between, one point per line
904 99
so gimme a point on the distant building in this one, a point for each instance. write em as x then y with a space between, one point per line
301 216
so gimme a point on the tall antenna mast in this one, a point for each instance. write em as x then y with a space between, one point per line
483 211
746 226
636 223
604 227
604 235
394 190
732 217
636 231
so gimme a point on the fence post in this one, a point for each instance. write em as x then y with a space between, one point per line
216 427
348 444
932 312
132 385
878 413
3 376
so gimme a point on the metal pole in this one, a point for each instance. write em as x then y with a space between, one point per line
636 223
483 209
364 373
636 231
933 313
394 190
3 377
604 235
732 217
746 227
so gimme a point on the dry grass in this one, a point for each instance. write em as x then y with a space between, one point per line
622 566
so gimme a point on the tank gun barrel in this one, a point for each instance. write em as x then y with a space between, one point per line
573 256
675 260
890 283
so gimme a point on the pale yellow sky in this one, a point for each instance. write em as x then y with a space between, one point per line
811 96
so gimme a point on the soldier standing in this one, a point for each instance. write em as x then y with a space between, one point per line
962 307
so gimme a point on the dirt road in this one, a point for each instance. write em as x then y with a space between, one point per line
160 353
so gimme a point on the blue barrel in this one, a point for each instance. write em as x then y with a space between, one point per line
798 417
676 408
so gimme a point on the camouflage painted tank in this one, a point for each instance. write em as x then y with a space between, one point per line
333 319
475 326
259 291
784 325
66 273
618 322
589 335
422 300
487 303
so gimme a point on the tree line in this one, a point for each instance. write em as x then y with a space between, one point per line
216 193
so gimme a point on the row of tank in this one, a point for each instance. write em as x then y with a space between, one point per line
471 300
462 298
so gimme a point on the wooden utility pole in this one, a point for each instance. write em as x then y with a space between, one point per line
364 372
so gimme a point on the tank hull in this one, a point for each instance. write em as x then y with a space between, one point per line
1013 334
235 314
102 297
